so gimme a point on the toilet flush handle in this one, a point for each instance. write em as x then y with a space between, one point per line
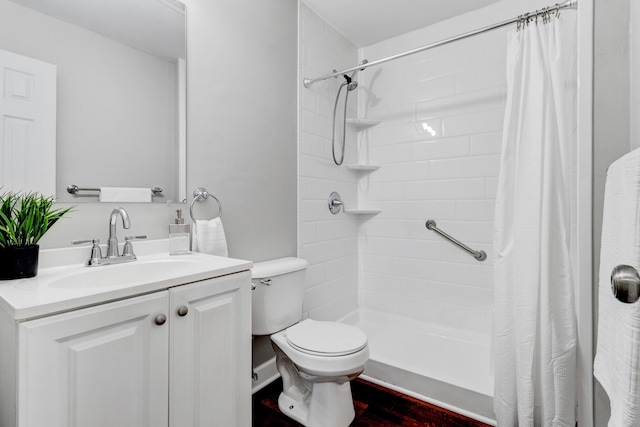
262 282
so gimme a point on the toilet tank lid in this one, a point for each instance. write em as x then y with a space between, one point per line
276 267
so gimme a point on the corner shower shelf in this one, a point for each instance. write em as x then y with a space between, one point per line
363 168
362 124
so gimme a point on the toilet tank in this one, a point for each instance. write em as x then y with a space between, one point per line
276 298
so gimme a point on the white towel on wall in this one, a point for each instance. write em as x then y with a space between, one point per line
617 362
209 238
125 194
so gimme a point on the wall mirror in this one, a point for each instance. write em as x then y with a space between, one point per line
120 100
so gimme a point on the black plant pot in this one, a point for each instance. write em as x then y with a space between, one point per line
19 262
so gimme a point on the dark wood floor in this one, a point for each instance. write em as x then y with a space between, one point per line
375 406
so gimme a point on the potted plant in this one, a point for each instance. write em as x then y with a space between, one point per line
24 219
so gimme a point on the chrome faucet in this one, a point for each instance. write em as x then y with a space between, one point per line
113 254
112 242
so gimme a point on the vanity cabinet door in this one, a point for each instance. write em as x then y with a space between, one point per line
210 335
102 366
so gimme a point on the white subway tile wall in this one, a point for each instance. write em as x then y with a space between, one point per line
438 145
328 242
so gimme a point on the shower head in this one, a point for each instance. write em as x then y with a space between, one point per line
352 84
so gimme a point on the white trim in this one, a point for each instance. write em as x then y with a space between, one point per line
435 402
266 374
182 130
584 276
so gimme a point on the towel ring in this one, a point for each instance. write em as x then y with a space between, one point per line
199 195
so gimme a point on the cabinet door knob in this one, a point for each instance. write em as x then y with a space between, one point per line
182 311
160 319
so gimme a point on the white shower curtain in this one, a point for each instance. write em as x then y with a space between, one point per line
535 321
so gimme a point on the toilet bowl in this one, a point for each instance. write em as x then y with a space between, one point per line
316 359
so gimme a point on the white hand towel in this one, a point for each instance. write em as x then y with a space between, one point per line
125 194
617 362
208 237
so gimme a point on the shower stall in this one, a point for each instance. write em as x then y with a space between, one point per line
422 142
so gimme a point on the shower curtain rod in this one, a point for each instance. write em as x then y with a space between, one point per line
568 4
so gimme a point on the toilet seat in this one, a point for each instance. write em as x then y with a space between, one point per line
328 339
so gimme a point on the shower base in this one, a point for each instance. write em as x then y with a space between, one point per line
443 367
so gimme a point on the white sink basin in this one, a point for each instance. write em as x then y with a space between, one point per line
62 286
121 275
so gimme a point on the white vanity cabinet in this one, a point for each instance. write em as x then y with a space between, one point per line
106 365
210 353
177 357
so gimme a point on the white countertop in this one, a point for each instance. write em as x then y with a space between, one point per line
63 282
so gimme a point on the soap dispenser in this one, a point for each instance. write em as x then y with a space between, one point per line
179 236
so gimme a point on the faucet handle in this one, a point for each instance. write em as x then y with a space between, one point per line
82 242
128 247
96 252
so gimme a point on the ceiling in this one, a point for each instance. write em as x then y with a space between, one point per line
363 22
366 22
154 26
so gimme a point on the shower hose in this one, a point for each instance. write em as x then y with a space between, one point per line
344 126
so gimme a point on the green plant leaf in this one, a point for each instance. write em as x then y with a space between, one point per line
26 217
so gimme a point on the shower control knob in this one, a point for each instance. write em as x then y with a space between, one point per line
182 311
160 319
625 283
335 203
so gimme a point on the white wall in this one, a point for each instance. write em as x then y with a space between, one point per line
241 130
329 242
241 119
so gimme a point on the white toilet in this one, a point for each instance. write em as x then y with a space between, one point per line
315 359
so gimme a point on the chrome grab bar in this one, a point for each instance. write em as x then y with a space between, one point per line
479 255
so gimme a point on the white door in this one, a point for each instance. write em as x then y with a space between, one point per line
27 124
210 353
103 366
